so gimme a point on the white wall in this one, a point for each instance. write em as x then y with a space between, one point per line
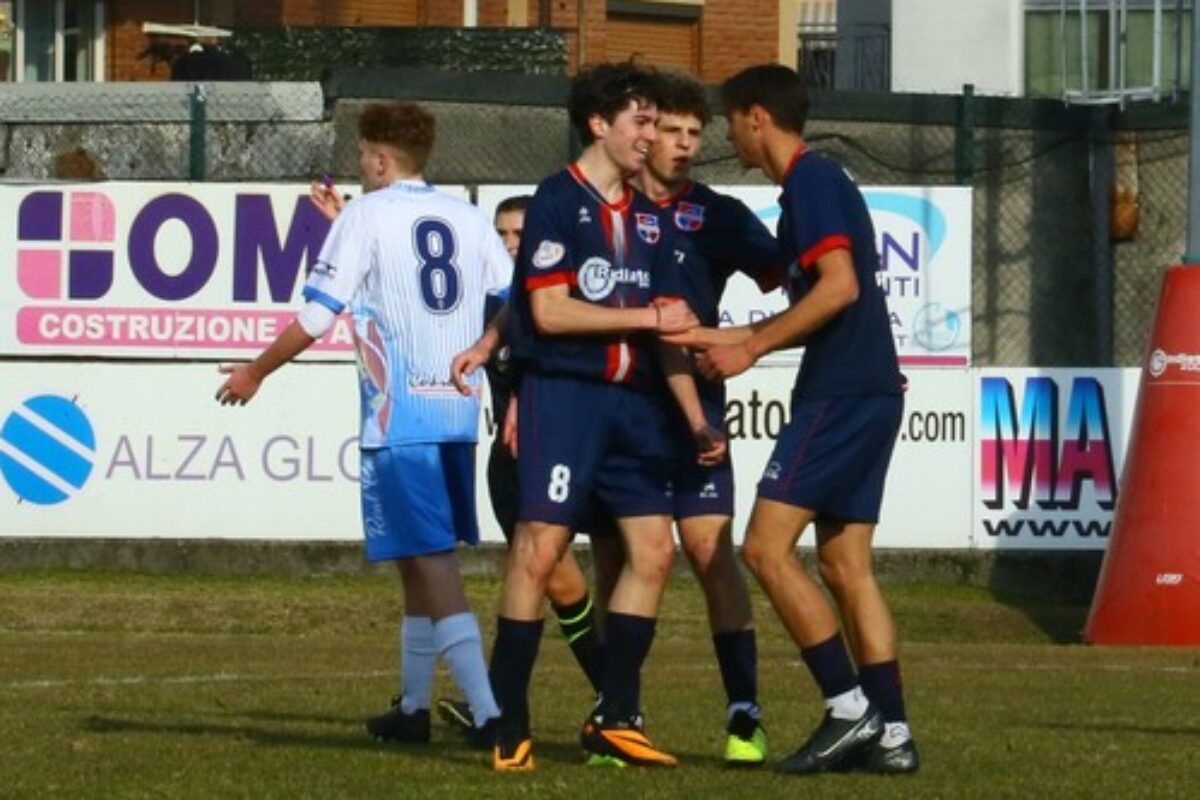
939 45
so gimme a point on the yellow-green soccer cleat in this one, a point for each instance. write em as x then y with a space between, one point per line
747 742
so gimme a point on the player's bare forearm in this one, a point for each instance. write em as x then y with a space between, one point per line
836 288
245 378
702 338
711 446
678 369
556 313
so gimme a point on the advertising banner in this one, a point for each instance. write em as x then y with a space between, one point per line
135 450
1050 444
924 244
157 270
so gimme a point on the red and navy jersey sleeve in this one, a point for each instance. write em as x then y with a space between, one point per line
759 255
670 260
819 223
546 256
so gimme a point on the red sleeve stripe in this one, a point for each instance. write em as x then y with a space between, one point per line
838 241
535 282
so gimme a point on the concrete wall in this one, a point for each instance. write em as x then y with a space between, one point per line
939 45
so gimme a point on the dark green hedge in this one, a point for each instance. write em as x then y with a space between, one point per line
305 54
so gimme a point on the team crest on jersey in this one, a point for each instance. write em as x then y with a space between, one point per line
689 217
647 228
548 254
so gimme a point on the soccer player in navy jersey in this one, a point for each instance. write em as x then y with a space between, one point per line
831 459
597 279
721 236
413 267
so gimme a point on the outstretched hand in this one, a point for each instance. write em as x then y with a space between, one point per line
241 385
725 361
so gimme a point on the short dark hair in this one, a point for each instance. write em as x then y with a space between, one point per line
683 94
607 90
405 126
518 202
778 89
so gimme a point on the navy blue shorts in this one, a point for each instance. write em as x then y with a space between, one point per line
701 491
579 441
832 456
418 499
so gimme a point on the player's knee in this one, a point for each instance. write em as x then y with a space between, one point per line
653 561
703 553
844 577
755 557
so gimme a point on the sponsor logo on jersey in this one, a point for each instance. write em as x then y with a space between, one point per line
772 472
689 217
647 228
548 254
597 278
709 492
584 216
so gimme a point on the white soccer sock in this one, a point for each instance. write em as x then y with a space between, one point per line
458 640
848 705
895 734
418 663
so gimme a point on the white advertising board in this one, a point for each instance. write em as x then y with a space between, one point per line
923 236
157 270
1049 448
131 450
933 453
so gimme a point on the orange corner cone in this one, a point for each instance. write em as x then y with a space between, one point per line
1149 588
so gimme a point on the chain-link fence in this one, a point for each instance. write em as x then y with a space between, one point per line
1050 288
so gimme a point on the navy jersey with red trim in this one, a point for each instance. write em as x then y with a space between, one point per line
823 210
621 255
720 236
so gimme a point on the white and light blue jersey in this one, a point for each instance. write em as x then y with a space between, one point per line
414 266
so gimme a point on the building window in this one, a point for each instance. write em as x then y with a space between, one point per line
57 40
7 35
1048 33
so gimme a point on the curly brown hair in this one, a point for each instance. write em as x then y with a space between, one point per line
405 126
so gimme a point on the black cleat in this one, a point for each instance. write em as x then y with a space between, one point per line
899 760
833 743
396 726
455 713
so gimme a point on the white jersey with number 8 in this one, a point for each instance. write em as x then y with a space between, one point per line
414 267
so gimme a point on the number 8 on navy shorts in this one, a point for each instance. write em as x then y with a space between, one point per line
579 439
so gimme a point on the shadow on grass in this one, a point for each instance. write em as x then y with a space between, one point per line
1121 727
449 749
1053 589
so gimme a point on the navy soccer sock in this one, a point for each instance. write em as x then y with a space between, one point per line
829 663
513 656
882 685
626 644
578 625
737 656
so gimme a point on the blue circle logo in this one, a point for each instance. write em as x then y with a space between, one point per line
47 450
936 327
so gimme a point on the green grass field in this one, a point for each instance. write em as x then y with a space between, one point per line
122 685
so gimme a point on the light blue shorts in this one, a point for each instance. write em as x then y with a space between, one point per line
418 499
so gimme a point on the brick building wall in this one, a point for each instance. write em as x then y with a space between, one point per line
731 34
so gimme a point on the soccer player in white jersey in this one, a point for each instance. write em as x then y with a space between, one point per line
414 267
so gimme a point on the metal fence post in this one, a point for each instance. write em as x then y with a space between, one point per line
964 136
197 157
1101 171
